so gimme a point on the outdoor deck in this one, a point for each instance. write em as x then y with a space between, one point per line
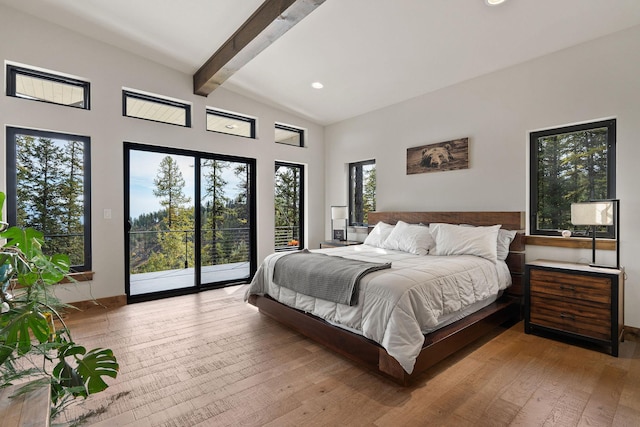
165 280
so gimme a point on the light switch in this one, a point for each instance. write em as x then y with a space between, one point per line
107 214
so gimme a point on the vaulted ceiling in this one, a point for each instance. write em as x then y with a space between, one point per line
368 53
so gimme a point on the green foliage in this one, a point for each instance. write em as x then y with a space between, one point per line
27 244
362 182
17 326
287 204
50 177
91 367
287 196
369 192
572 167
164 240
169 185
27 329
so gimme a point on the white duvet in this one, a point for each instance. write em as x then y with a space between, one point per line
395 306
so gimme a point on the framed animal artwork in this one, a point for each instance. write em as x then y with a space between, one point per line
443 156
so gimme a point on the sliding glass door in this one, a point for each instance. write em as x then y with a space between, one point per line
226 220
190 223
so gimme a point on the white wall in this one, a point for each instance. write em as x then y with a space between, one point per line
25 39
596 80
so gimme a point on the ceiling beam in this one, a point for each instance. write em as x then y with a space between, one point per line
270 21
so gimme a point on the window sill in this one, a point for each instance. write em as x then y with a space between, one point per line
81 276
570 242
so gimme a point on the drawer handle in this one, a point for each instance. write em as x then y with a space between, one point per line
567 316
567 288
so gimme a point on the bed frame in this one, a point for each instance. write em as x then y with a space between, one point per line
439 344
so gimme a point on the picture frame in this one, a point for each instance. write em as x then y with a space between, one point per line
338 235
439 157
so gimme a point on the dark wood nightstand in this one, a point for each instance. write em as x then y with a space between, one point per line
338 243
575 301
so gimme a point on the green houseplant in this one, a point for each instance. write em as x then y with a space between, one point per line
33 350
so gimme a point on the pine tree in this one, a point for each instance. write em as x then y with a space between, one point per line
72 192
287 203
169 185
44 198
241 204
237 217
177 237
213 215
571 168
369 193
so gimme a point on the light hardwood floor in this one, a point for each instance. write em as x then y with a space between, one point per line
210 359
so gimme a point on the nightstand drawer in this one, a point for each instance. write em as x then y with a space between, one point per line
585 288
588 319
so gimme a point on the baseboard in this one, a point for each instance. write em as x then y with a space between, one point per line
108 302
631 333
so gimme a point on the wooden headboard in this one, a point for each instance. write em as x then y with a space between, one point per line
508 220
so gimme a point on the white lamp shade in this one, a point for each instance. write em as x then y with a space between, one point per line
592 213
339 212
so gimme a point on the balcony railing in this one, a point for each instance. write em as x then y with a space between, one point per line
287 238
219 246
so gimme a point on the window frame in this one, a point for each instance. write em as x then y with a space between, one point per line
290 128
352 208
12 71
610 124
235 116
12 177
301 196
129 93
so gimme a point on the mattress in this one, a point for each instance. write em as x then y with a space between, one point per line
398 305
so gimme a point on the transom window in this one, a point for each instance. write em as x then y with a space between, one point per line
289 135
362 191
155 108
48 87
231 123
49 189
570 164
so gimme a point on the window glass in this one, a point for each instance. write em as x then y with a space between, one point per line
289 135
231 123
49 190
570 164
289 206
362 191
47 87
148 107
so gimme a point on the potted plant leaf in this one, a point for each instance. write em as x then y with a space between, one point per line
33 350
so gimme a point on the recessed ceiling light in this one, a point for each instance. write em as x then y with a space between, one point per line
494 2
317 85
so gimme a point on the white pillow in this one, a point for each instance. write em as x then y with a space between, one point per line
379 234
505 237
459 240
412 238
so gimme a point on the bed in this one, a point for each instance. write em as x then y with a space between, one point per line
397 350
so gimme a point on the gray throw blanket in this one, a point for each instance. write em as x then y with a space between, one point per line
331 278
